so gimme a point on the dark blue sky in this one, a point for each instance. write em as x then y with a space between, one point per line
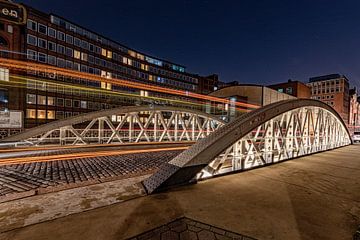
248 41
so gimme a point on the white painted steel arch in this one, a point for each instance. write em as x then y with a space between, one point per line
123 125
274 133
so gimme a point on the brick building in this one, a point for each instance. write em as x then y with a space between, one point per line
39 37
332 89
294 88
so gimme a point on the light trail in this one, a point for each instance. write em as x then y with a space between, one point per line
55 84
25 66
55 147
64 157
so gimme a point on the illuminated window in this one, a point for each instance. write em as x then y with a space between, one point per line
129 61
30 98
51 114
124 60
108 86
77 54
289 90
144 93
41 114
109 54
84 57
41 100
31 113
51 101
132 53
105 85
103 52
4 74
140 56
83 104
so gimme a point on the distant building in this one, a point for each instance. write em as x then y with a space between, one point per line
249 93
354 117
294 88
208 84
333 90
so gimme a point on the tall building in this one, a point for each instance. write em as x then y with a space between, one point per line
332 89
35 36
294 88
354 113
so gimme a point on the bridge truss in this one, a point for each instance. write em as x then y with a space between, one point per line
292 134
274 133
123 125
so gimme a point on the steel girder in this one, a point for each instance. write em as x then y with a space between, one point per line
124 125
292 134
276 132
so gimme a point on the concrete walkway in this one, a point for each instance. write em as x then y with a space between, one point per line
314 197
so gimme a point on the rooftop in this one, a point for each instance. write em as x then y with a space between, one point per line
327 77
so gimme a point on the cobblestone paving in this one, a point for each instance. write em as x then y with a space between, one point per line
24 177
188 229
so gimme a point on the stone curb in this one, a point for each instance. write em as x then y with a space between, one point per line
66 186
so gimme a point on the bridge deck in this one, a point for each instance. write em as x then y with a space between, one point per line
313 197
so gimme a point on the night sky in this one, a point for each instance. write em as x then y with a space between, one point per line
260 42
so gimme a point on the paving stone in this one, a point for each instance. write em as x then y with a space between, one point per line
222 237
194 229
184 229
169 235
188 235
23 177
206 235
217 230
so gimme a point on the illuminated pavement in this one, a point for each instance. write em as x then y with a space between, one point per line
312 197
77 167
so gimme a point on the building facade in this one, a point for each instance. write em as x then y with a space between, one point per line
332 89
294 88
354 117
249 93
52 40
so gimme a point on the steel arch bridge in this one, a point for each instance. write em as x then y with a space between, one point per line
130 124
274 133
